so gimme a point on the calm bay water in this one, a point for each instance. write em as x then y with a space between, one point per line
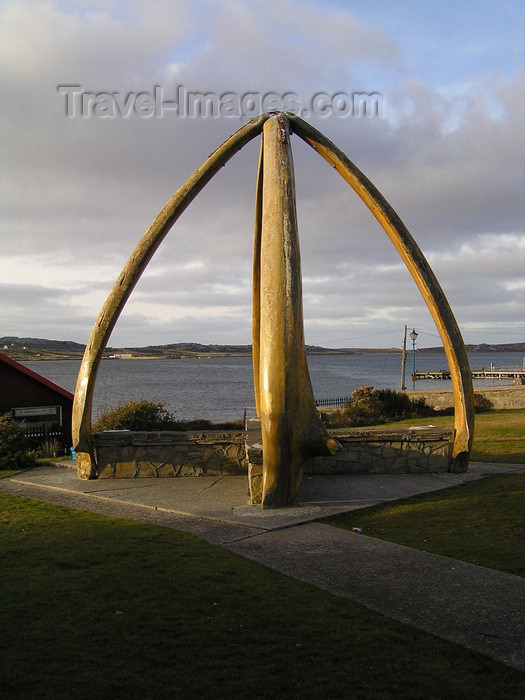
220 389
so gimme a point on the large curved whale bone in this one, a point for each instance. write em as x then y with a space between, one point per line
290 424
148 244
425 280
303 437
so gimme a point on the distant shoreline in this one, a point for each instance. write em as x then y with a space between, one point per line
31 349
49 355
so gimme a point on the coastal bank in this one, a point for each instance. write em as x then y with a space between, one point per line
501 397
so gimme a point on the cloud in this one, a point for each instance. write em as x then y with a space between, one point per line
447 154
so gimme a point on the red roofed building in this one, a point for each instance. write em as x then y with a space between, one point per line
41 405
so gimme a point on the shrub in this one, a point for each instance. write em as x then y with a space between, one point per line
397 405
366 407
204 424
14 446
49 448
482 404
371 406
136 415
152 415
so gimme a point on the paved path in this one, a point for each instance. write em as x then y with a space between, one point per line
477 607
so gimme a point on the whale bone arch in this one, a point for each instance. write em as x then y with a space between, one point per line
397 232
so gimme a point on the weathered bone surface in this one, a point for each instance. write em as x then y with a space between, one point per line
128 278
425 280
283 394
290 423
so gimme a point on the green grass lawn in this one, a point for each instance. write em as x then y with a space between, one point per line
95 607
499 436
481 522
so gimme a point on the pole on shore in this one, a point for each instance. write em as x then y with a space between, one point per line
404 359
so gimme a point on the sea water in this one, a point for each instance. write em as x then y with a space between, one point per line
221 388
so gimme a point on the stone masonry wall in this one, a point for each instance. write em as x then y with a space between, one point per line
512 396
127 454
416 450
400 451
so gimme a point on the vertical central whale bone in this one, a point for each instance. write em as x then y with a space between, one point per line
290 424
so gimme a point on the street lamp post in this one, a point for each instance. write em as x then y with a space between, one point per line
413 336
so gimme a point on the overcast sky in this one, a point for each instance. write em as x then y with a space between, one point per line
79 190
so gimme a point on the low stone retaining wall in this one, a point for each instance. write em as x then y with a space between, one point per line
512 396
127 454
416 450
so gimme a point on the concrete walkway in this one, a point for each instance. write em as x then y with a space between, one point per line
477 607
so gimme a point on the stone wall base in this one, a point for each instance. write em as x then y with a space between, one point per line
417 450
127 454
512 396
408 451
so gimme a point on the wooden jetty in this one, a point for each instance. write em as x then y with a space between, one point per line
494 373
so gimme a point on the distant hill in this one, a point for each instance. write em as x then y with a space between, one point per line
506 347
41 344
175 349
200 349
484 347
40 348
44 349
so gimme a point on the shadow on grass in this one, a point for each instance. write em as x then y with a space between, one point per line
479 455
94 606
480 522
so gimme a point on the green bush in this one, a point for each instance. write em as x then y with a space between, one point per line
397 405
153 415
365 408
50 448
15 450
482 404
370 406
197 424
136 415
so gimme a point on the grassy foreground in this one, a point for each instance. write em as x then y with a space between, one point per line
94 607
480 522
499 436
